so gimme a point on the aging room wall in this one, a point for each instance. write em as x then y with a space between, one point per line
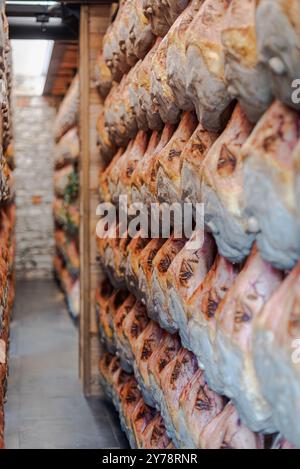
34 147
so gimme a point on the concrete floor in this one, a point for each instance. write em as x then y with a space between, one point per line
45 407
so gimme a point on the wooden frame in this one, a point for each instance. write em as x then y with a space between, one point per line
93 24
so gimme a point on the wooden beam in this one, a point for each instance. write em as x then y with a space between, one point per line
93 24
84 350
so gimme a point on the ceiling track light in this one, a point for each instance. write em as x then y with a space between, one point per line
33 21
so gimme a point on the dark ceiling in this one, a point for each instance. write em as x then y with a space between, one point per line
59 23
38 21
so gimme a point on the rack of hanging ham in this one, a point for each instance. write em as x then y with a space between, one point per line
7 210
66 203
200 106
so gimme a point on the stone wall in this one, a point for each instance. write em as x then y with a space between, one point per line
34 147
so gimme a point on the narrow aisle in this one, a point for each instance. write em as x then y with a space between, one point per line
45 406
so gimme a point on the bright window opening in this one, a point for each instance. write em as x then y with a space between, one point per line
31 60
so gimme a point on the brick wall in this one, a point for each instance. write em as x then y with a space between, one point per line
34 146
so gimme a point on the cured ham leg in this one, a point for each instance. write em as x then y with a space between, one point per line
102 296
276 354
168 349
297 176
281 443
146 269
119 379
112 174
191 164
201 310
137 38
161 92
120 116
106 318
155 435
222 190
174 377
235 318
122 348
278 35
186 272
130 397
226 431
104 363
168 171
120 258
157 14
105 181
176 58
147 108
160 295
134 250
110 255
143 348
132 327
106 147
137 175
103 76
198 405
141 418
162 14
135 155
269 174
150 165
247 78
206 83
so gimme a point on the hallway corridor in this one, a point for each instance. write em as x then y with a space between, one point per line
45 406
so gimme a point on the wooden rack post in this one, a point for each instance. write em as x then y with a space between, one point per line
93 24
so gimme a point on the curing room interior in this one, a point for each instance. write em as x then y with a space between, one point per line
150 226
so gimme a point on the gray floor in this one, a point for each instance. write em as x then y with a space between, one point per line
45 407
